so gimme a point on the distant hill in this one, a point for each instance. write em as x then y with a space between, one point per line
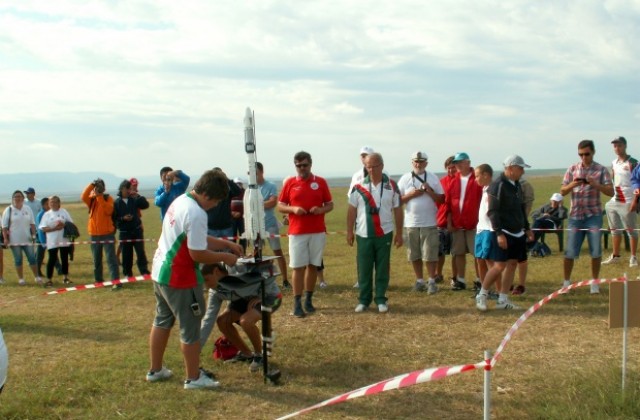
64 184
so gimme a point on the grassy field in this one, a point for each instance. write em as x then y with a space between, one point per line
84 354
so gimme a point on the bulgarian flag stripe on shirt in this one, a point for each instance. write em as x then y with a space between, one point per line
373 220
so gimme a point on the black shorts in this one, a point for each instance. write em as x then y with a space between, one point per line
445 242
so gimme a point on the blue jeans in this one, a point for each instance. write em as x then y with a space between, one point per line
28 251
110 252
226 233
576 236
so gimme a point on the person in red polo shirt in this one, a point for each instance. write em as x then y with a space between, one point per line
305 198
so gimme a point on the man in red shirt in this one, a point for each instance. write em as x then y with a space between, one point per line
441 217
305 198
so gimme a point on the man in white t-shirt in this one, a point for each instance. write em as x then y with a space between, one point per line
421 191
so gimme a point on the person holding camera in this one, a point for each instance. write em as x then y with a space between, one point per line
178 281
101 229
374 206
127 209
422 193
585 181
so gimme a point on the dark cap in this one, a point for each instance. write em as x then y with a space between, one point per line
30 190
619 140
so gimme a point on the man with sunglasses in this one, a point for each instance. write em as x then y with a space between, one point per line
585 181
305 198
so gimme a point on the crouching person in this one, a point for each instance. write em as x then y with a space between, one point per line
246 312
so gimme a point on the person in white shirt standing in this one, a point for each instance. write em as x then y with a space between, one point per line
422 192
622 208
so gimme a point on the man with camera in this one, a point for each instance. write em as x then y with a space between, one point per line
585 181
422 192
101 229
374 209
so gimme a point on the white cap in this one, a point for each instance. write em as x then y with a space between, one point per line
238 180
515 160
419 156
366 150
556 197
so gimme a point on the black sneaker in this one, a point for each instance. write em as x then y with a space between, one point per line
208 373
308 306
457 285
239 357
298 312
439 279
477 286
286 285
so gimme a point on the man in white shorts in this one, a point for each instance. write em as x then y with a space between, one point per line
305 198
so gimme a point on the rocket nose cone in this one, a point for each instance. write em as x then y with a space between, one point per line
247 113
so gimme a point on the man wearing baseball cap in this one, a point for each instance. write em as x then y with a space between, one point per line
463 203
31 201
422 192
585 181
510 231
550 216
622 208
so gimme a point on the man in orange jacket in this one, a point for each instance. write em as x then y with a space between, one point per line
101 229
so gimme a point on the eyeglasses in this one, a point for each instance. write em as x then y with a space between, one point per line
302 165
584 154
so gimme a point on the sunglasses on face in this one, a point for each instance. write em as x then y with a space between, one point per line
584 154
302 165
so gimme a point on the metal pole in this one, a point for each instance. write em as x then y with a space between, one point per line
625 314
487 384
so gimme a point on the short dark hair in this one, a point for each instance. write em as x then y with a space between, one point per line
124 184
485 168
449 161
259 167
302 155
44 201
587 143
213 184
165 169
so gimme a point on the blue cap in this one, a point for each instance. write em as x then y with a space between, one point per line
460 157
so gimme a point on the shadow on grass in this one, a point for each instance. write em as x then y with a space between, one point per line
12 324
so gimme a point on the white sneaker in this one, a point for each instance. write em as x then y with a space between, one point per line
39 281
356 285
566 283
611 260
595 289
507 305
432 289
160 375
633 261
22 282
203 382
419 286
323 284
360 308
1 280
481 302
383 308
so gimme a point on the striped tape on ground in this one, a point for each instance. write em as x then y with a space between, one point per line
433 374
98 285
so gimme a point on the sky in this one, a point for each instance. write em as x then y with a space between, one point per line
128 87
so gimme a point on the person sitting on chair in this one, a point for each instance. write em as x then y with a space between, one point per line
549 216
246 312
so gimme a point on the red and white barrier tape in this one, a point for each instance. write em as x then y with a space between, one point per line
67 243
124 280
400 381
433 374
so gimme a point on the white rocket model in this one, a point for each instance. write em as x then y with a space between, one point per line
254 230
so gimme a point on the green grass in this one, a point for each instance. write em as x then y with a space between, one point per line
84 354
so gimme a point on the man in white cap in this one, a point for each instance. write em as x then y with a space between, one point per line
422 192
622 208
550 216
510 231
359 176
585 181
